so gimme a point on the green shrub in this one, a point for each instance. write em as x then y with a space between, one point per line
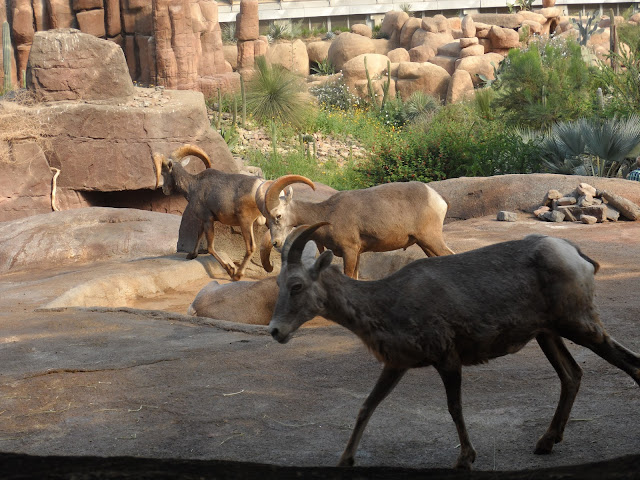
458 142
545 83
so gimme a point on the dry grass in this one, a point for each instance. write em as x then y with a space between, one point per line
19 122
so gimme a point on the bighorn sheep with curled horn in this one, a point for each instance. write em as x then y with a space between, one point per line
228 198
376 219
457 310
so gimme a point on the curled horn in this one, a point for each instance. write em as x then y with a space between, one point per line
297 239
158 161
265 251
272 195
186 150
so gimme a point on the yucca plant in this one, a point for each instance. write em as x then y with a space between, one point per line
275 94
421 105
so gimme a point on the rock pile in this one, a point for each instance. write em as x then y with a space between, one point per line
587 205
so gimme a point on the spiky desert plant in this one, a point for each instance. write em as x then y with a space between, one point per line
594 147
421 105
277 94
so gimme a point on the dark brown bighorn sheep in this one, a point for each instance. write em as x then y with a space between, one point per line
457 310
228 198
376 219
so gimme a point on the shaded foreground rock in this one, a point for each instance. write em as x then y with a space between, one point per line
16 466
85 235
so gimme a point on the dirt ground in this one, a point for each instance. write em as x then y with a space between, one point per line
111 382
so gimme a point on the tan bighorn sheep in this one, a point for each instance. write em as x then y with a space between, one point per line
376 219
228 198
457 310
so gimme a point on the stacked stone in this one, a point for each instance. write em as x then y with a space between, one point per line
461 84
586 205
250 44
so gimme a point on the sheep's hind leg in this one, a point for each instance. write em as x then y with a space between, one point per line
194 253
434 247
389 378
599 341
210 232
452 378
570 374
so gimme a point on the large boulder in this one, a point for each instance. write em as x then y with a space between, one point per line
408 29
504 38
85 235
291 55
242 302
460 87
107 146
480 65
392 24
425 77
25 183
318 51
70 65
506 20
480 196
347 46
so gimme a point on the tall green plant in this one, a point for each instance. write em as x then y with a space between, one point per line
277 95
6 55
545 83
586 27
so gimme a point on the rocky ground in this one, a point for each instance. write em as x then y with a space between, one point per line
191 395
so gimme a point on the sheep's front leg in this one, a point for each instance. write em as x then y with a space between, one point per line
250 247
452 379
389 378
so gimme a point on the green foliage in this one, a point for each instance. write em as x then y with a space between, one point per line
330 173
457 142
591 146
545 83
335 95
229 33
324 67
586 28
622 87
278 31
406 8
274 94
420 106
521 4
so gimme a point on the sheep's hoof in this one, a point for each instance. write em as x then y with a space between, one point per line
191 256
237 276
545 444
465 460
346 462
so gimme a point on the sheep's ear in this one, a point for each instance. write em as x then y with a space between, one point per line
184 162
288 194
322 262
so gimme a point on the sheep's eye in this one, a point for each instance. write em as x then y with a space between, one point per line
296 288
